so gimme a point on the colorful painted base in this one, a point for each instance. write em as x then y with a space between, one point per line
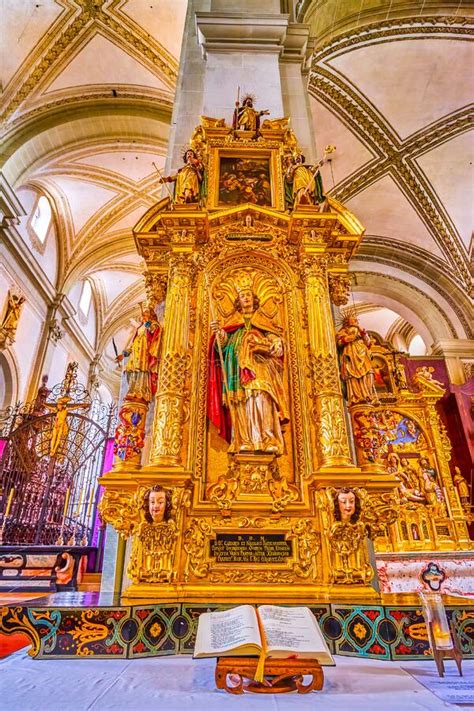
67 625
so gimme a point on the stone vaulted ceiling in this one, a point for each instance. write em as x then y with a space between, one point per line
395 96
88 89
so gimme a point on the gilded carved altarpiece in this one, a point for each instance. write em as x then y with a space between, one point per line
254 522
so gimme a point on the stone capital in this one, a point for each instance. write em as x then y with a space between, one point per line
236 32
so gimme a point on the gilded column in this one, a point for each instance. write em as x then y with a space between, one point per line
332 440
169 408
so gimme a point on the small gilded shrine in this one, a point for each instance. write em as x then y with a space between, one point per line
280 444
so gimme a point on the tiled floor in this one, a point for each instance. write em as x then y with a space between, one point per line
184 684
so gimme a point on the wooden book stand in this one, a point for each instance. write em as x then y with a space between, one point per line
441 654
280 676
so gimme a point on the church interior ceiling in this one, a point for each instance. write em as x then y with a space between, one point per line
88 90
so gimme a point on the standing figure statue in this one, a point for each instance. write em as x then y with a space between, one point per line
248 403
357 371
9 324
142 365
462 487
246 118
189 180
303 184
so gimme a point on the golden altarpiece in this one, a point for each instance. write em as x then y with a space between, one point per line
249 454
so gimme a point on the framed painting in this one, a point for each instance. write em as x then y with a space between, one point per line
244 179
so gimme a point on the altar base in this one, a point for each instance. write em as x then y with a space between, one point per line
79 625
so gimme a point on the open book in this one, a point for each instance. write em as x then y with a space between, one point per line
278 632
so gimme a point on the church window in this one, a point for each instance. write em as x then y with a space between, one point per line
85 300
41 219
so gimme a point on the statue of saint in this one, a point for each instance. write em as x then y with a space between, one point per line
433 492
39 406
246 118
303 184
357 372
462 486
142 365
189 180
248 403
10 320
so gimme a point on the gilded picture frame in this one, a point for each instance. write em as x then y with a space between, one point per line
240 176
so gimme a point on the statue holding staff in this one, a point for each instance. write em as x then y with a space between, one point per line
247 401
246 118
188 180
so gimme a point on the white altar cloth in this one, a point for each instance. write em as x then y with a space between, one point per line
183 684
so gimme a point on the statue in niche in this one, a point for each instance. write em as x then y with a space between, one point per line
154 542
462 487
357 371
39 406
189 180
410 487
246 118
303 183
11 318
142 365
433 492
247 400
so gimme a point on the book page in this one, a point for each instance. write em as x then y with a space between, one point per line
293 630
220 632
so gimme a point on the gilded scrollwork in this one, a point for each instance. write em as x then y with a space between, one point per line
195 543
169 416
332 441
339 288
224 490
308 543
252 576
155 287
121 510
152 553
282 492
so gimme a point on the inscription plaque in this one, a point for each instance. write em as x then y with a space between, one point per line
250 548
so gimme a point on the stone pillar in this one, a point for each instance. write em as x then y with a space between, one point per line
456 351
51 334
169 415
332 440
246 44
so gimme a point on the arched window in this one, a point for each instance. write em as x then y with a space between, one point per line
85 300
417 346
41 218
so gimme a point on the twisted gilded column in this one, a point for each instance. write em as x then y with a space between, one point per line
332 440
169 408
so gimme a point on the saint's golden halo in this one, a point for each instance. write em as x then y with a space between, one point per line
263 285
346 314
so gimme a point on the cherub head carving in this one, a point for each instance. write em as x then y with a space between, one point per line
157 504
346 505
